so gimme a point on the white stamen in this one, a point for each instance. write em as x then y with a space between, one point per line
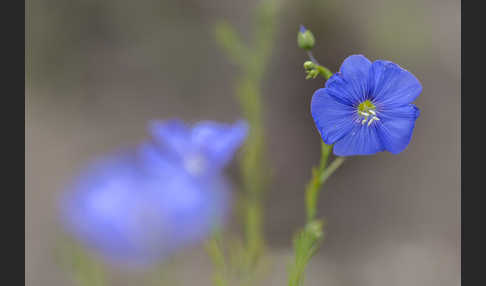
367 116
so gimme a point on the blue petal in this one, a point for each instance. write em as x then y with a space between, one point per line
172 134
202 150
195 210
154 162
101 208
350 85
396 127
391 85
362 140
219 141
332 118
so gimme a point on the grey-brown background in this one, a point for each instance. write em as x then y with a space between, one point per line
101 69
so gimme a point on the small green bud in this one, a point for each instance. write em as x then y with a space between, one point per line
305 39
313 73
308 65
314 228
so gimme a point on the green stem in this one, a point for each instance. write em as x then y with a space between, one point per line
308 240
319 177
214 248
324 72
314 186
252 59
331 169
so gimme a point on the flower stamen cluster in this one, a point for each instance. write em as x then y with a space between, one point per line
367 113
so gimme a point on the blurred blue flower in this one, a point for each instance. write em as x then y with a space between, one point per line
367 107
139 206
201 150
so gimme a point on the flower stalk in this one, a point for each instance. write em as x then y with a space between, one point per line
314 186
252 60
308 240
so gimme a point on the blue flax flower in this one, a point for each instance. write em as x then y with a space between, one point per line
141 205
367 107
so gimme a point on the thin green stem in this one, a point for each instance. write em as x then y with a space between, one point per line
318 179
312 58
252 59
308 240
331 169
324 72
214 248
314 186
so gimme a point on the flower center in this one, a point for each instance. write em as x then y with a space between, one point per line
367 112
195 164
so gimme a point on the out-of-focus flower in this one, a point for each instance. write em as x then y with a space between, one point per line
367 107
142 205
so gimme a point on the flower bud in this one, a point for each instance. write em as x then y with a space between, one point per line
308 65
305 39
313 73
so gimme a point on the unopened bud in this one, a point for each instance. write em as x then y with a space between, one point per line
305 39
308 65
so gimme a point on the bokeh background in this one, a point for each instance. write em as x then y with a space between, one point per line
99 70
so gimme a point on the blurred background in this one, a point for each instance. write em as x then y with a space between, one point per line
101 69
